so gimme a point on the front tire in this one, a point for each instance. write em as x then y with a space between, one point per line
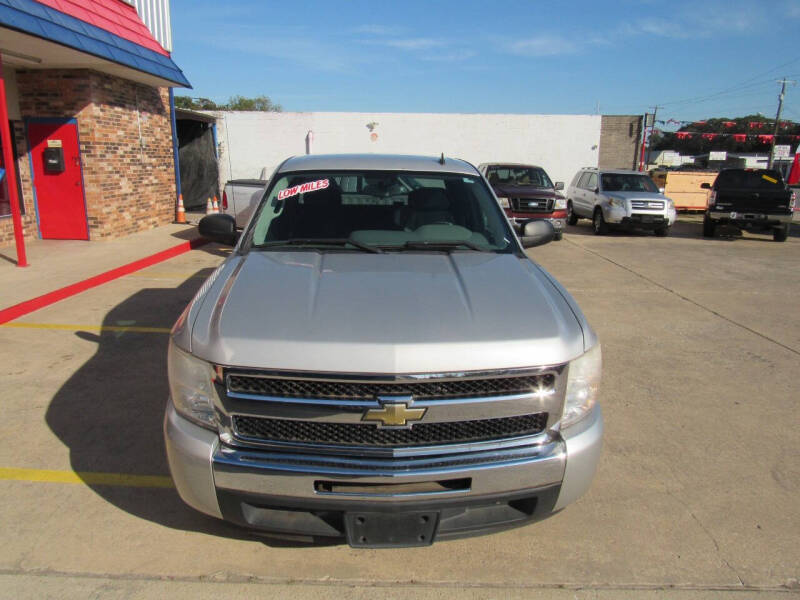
558 236
779 234
572 218
599 223
708 228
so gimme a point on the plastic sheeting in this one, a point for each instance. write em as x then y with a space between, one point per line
198 163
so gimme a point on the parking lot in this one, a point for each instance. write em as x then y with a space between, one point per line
697 491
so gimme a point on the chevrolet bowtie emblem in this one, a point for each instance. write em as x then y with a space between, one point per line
394 414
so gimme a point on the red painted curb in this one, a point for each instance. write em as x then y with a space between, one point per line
28 306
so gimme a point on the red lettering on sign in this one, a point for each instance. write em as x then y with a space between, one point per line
311 186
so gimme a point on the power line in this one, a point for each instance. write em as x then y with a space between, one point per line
737 86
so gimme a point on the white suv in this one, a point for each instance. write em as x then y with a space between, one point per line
626 199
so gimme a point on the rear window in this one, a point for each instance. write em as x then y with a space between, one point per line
760 179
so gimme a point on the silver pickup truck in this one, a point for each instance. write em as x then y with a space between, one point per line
379 361
240 197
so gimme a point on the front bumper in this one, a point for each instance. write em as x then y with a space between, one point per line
311 496
639 220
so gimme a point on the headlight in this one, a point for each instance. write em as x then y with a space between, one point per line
560 204
616 202
504 202
583 384
191 387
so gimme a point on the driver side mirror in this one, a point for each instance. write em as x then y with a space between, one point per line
537 233
219 228
559 185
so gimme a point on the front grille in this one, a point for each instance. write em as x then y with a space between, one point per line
367 434
429 389
647 204
525 204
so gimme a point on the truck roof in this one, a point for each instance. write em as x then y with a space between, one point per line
377 162
510 164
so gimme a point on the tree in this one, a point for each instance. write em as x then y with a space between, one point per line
724 133
259 103
190 103
262 103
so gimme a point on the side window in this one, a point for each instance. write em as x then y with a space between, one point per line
582 181
591 184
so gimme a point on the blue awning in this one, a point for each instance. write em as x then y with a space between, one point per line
49 24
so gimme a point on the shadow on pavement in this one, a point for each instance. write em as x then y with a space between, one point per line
109 413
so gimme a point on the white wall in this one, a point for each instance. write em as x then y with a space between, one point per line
561 144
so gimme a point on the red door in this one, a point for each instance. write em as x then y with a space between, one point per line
58 181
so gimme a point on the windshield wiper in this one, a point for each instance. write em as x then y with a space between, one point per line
321 241
441 245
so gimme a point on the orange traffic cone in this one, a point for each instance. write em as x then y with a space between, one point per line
209 207
180 216
216 205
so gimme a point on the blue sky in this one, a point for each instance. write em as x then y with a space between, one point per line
697 59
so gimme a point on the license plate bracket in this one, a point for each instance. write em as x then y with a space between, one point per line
391 529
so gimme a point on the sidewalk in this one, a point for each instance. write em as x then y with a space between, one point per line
54 264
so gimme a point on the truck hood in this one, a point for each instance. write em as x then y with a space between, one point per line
390 313
637 195
524 191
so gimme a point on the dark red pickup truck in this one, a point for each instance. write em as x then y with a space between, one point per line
526 193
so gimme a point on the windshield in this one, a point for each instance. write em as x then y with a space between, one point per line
518 176
380 211
623 182
750 180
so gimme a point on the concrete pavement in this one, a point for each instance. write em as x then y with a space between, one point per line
696 495
57 263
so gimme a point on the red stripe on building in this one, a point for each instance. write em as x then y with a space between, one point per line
115 16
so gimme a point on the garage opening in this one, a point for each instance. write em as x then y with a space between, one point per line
197 156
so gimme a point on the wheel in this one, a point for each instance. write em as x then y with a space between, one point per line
572 218
662 231
708 227
779 234
599 223
558 236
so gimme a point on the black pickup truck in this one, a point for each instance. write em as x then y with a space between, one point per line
753 199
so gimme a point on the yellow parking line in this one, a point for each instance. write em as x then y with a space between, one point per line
86 478
100 328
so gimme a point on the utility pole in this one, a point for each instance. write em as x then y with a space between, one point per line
783 83
645 136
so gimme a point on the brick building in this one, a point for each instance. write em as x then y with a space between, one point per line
620 141
88 96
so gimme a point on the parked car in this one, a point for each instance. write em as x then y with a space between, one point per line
525 192
354 371
619 198
754 199
240 197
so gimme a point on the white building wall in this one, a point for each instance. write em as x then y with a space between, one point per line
562 144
